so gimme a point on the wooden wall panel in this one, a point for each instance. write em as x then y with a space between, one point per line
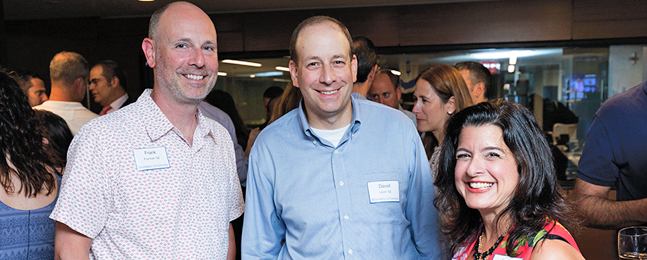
484 22
604 10
609 29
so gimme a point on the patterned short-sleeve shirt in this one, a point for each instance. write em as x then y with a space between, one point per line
177 212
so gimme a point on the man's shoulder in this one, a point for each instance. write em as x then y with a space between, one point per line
634 99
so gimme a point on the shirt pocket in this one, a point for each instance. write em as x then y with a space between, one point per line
383 212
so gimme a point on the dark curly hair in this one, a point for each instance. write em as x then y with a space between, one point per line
536 196
21 143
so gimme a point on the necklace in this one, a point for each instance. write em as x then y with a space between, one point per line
484 255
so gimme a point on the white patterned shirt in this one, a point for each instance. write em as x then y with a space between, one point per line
179 212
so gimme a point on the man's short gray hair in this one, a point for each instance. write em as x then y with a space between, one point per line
67 67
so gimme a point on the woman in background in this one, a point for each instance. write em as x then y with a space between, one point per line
277 107
500 196
225 102
29 182
56 137
440 92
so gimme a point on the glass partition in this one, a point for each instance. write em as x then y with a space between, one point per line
563 87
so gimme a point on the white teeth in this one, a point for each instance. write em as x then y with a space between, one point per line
329 92
480 185
196 77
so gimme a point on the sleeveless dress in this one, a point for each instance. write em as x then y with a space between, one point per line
27 234
551 230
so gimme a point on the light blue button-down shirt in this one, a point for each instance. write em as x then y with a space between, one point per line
315 197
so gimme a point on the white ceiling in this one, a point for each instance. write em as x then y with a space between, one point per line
46 9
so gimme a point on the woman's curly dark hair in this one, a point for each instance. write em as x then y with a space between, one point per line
536 196
21 143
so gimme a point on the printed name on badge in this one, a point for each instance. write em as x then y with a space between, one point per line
384 191
503 257
151 158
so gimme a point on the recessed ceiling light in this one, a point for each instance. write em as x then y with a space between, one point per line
146 0
221 73
282 68
244 63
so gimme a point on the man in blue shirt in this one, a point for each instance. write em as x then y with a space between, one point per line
338 177
614 156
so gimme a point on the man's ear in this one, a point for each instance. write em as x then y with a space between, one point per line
114 82
80 87
398 93
293 73
479 89
371 75
148 46
353 67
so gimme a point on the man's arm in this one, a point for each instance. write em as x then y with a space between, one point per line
69 244
231 254
597 211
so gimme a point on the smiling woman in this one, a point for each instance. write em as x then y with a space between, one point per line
499 188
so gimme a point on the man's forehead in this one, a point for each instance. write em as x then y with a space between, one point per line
325 28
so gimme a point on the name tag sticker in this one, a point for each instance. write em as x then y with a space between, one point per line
384 191
503 257
151 158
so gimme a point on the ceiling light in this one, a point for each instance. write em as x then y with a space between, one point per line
502 54
146 0
244 63
513 60
252 76
282 68
222 74
511 68
395 72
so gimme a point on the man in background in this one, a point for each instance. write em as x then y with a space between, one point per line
364 50
385 90
478 79
614 156
32 85
108 85
69 74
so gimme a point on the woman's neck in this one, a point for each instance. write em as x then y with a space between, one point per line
493 229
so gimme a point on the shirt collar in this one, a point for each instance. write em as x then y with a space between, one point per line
157 125
355 121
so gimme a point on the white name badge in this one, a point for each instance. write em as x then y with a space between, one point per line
151 158
384 191
503 257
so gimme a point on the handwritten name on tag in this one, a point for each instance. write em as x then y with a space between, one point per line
503 257
384 191
151 158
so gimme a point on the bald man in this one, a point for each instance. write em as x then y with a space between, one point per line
155 179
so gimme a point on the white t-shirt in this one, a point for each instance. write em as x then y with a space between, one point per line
333 136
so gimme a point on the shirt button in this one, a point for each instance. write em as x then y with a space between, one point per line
336 152
314 142
346 217
350 251
341 183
